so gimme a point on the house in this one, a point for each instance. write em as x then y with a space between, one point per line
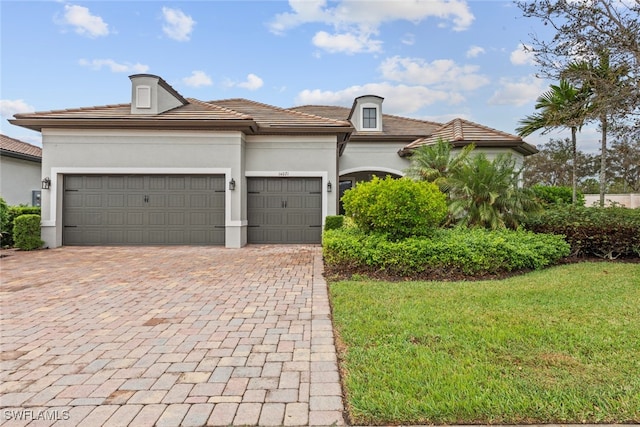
164 169
20 172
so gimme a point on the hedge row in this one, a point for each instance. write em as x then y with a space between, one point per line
449 252
610 233
9 214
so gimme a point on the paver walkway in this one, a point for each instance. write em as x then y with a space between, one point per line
172 336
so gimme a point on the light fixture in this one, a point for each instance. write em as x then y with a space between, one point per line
232 184
329 187
46 183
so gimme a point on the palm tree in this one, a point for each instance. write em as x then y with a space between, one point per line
435 163
486 193
606 88
563 105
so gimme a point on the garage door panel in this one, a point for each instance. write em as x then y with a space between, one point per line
282 210
143 210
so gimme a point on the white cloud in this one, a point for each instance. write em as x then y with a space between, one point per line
115 67
522 55
197 79
398 99
346 43
178 26
442 73
519 92
253 82
359 20
84 22
9 107
409 39
475 51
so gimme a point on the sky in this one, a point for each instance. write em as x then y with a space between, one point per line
429 59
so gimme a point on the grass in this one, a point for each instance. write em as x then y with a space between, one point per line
560 345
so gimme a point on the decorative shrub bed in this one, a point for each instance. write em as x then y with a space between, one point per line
446 254
609 233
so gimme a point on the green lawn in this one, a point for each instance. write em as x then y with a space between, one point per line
558 345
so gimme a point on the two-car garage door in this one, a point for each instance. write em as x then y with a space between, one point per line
144 210
186 210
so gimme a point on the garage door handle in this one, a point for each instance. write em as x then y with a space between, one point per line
70 226
315 226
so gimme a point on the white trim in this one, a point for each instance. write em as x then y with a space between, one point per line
59 172
371 169
300 174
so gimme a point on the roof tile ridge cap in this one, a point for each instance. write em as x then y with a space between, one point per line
211 105
458 131
301 113
73 110
492 129
290 111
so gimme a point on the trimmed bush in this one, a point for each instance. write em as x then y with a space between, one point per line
26 232
12 213
447 253
333 222
399 208
609 233
550 195
4 217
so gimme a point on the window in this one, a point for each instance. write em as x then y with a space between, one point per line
369 118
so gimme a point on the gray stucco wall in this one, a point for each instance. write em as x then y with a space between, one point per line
18 178
373 156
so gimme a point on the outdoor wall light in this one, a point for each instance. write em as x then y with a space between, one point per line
232 184
329 187
46 183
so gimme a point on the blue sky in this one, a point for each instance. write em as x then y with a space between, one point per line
432 60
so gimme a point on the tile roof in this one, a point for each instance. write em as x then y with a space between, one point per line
269 116
391 125
11 145
463 132
230 112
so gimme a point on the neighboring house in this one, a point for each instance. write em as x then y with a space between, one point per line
20 177
165 169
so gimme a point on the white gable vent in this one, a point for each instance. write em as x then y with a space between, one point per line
152 95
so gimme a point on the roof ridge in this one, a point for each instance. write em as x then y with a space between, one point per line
285 110
213 106
490 128
76 109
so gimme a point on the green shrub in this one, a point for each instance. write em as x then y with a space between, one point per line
12 213
27 232
333 222
550 195
610 232
399 208
4 217
448 252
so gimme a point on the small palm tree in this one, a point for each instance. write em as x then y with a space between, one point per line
606 86
486 193
563 105
435 163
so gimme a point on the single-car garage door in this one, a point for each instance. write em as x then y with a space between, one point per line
143 210
284 210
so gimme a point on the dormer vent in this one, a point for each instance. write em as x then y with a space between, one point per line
152 95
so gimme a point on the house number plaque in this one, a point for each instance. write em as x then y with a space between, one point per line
283 173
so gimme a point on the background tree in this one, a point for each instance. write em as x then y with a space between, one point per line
583 29
552 165
563 105
605 84
625 166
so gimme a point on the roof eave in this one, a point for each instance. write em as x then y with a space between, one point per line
519 146
38 124
21 156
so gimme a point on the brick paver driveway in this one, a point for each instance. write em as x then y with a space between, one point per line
167 336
